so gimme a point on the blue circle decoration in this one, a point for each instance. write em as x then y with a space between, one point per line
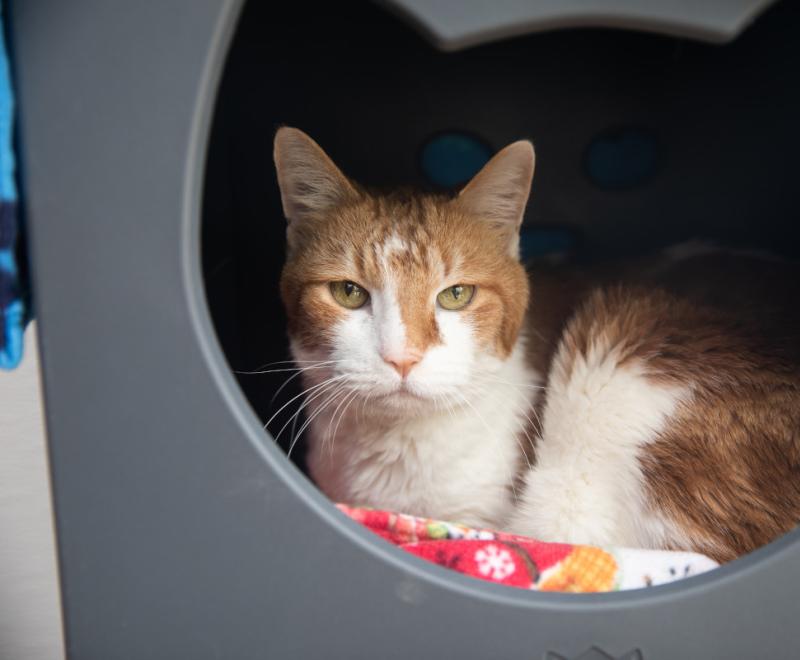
542 241
622 158
452 158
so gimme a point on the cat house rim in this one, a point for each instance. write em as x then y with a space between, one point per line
481 24
313 500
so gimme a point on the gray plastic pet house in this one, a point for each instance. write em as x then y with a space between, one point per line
183 531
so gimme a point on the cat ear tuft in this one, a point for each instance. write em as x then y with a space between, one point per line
499 192
310 183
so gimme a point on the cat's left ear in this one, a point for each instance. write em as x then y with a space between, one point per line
311 185
499 192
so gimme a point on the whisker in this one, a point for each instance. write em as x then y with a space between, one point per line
523 410
496 441
337 397
330 396
263 367
306 402
312 365
495 379
290 379
520 408
364 401
304 392
532 408
341 417
333 416
311 418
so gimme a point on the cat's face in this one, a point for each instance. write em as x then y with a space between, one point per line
411 302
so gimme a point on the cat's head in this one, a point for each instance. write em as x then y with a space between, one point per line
413 301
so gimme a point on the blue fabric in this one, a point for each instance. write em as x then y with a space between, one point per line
12 308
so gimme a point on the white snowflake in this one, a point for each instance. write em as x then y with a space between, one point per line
494 562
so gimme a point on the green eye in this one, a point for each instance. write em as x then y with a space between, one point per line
349 294
456 297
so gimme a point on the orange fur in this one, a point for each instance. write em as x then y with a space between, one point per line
725 470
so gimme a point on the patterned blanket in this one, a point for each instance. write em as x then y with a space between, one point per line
526 563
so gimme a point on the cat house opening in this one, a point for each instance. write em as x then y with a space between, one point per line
642 141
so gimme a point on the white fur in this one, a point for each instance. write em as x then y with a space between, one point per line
587 484
394 244
454 462
384 319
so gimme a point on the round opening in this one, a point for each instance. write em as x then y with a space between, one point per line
642 142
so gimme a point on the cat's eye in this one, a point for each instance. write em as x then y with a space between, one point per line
349 294
456 297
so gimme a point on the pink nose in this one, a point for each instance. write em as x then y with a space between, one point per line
403 365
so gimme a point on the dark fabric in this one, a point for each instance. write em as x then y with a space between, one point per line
8 224
8 288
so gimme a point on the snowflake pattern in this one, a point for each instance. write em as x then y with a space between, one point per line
494 562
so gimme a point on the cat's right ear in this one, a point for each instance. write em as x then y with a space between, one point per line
499 192
310 183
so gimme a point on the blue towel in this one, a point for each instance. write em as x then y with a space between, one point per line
12 308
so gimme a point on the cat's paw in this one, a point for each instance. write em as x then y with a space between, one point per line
561 510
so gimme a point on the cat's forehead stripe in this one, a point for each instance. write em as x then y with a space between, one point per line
402 255
394 244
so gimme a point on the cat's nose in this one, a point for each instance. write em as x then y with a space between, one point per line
403 365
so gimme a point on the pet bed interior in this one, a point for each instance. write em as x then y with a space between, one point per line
642 140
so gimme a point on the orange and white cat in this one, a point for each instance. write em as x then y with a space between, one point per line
654 404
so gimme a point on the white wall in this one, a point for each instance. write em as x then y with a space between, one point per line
30 614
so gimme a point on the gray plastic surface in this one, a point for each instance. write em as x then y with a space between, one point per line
183 532
455 24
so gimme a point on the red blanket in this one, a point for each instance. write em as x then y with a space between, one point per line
523 562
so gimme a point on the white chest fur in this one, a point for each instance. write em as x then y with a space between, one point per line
456 465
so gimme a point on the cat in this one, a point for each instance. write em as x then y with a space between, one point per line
652 404
420 393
